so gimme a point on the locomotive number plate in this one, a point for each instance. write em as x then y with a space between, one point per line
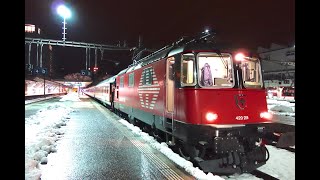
240 118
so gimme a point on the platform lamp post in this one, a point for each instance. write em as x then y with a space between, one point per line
65 13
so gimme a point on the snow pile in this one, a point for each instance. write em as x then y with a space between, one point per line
42 130
284 108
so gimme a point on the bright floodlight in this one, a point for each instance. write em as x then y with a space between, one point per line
64 11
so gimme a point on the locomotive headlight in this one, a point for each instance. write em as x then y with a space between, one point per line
266 115
239 57
211 116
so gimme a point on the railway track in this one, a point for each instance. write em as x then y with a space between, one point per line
30 97
36 98
286 131
285 148
263 175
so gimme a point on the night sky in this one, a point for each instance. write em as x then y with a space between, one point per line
244 23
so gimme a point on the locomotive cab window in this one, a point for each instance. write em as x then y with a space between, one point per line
215 70
251 73
187 70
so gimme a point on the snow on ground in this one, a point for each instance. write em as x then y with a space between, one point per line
42 130
281 107
281 164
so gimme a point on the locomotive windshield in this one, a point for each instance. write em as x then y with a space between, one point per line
251 73
215 70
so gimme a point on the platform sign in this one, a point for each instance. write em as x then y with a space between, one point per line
36 71
44 71
39 70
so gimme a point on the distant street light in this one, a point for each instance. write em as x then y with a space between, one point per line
64 12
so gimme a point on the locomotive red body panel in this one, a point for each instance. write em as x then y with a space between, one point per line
148 98
231 106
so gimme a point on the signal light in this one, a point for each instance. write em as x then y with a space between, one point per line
95 69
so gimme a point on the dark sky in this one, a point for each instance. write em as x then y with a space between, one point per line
244 23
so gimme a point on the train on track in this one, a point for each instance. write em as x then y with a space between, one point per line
207 103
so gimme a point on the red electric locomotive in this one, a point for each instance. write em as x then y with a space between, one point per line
208 103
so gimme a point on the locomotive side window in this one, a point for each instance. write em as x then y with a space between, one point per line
251 73
215 70
187 70
121 81
131 80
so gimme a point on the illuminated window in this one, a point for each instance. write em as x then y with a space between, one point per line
215 70
251 73
29 28
187 70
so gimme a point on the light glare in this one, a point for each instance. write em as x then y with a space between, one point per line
211 116
239 57
64 11
266 115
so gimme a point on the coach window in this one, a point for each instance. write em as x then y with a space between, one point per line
187 70
131 80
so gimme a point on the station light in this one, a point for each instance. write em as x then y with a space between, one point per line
65 13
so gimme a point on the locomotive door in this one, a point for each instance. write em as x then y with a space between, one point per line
170 85
112 94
